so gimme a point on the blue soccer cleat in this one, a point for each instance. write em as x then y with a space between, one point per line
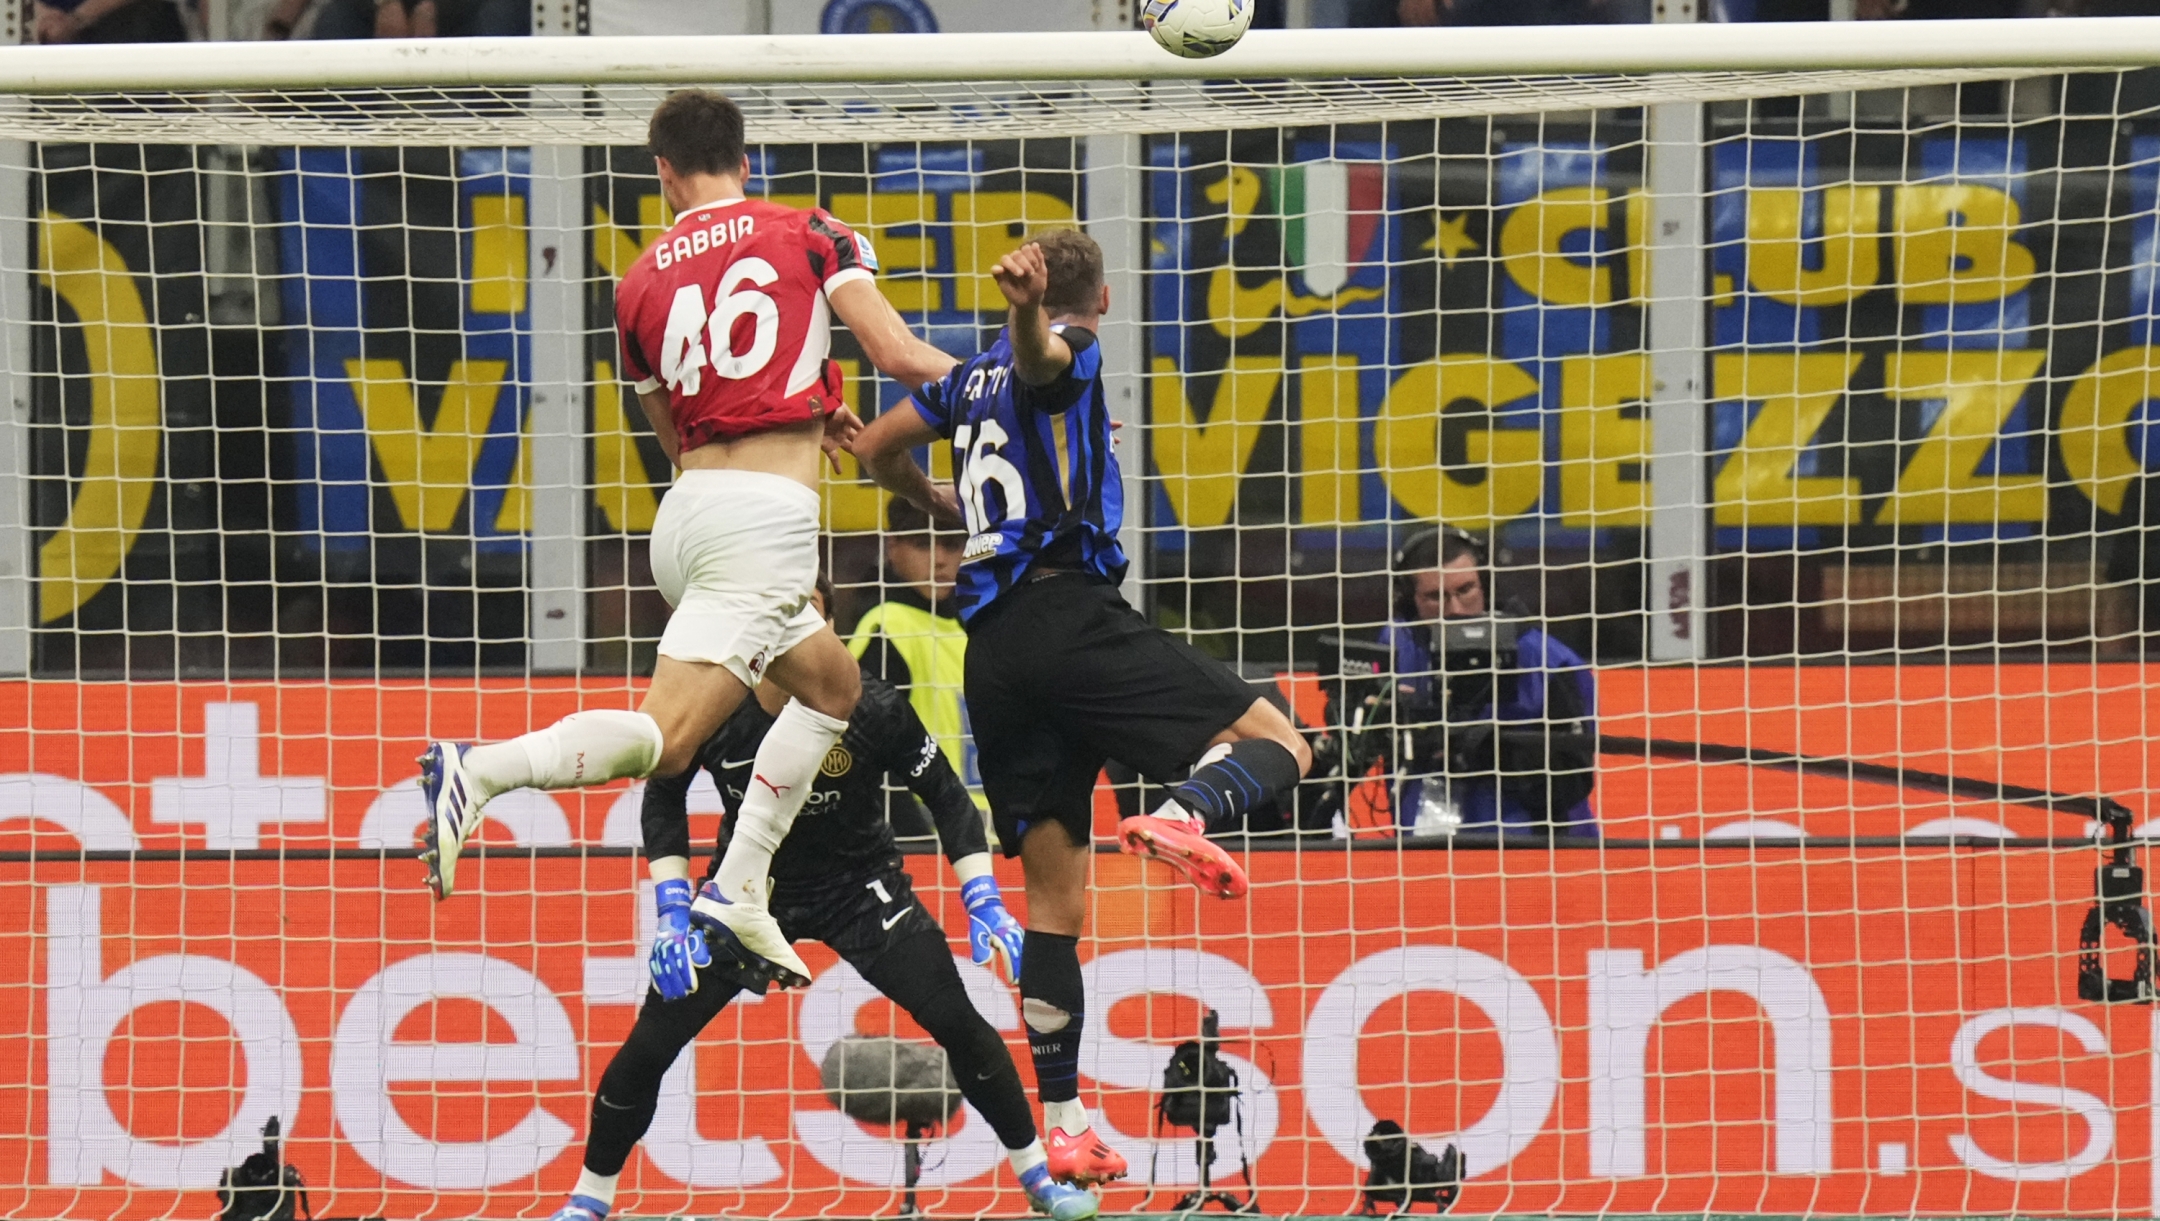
1058 1201
453 813
581 1208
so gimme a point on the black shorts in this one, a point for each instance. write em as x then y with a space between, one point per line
860 915
1063 675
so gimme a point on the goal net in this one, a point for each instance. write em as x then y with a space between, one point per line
1795 383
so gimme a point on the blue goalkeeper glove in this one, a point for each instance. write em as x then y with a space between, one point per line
678 947
992 931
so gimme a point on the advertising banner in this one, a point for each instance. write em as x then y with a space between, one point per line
121 408
1742 1028
411 351
1769 1030
1917 337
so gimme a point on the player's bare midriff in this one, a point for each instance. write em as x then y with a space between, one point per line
790 450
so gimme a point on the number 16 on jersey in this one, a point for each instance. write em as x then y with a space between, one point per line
981 465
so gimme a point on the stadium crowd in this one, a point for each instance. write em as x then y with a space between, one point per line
120 21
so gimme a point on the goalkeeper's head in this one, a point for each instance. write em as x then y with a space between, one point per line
1077 293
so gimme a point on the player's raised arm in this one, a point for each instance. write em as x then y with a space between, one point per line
886 341
1040 355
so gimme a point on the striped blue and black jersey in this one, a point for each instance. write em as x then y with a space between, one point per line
1034 465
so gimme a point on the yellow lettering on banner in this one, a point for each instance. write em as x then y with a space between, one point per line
120 464
1328 466
2095 432
1506 467
655 218
1201 460
500 254
987 226
1604 441
853 503
429 468
1978 391
1954 245
1756 486
1530 241
904 263
1850 246
1635 216
623 486
613 248
514 515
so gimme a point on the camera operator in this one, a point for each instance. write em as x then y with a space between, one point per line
1492 719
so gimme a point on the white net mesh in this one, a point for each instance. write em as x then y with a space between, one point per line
422 116
1814 428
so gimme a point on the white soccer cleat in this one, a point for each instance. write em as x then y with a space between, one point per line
743 930
453 813
581 1208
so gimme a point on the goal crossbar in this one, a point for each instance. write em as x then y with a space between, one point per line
2084 44
586 91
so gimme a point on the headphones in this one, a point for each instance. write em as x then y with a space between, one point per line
1421 553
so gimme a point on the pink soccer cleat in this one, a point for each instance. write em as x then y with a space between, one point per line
1179 843
1083 1160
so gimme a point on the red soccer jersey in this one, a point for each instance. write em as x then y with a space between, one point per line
728 311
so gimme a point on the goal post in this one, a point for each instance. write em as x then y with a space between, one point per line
1800 381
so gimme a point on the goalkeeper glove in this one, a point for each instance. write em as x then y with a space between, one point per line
992 931
678 947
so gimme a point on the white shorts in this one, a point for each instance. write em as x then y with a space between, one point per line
736 554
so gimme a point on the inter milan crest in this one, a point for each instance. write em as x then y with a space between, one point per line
837 761
877 17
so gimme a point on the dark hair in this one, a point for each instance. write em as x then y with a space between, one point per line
1436 548
903 516
698 132
1076 271
1427 550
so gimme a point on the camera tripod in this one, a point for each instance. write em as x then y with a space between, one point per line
1207 1075
1200 1197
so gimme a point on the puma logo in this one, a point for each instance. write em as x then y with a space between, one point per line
778 790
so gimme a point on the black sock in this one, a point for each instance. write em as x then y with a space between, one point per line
1254 773
1051 994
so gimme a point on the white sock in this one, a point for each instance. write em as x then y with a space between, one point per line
787 764
1068 1116
581 749
600 1187
1028 1158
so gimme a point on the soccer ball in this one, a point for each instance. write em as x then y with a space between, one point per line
1196 29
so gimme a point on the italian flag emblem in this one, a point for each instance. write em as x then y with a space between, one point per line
1331 212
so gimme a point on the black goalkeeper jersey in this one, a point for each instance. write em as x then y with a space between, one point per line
843 828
